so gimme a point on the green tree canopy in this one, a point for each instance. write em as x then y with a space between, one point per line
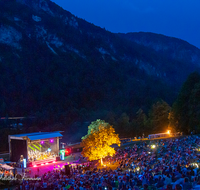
123 125
185 106
158 117
194 109
95 126
138 125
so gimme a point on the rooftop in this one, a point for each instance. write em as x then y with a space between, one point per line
37 135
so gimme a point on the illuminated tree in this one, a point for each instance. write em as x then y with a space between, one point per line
97 144
95 126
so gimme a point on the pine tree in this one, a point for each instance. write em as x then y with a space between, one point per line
182 107
158 117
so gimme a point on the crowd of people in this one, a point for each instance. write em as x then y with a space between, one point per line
167 164
5 173
38 155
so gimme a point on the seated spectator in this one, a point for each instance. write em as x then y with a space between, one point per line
187 185
160 182
145 186
169 187
178 187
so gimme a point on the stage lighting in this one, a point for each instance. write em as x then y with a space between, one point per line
51 141
42 142
24 162
35 166
67 152
63 156
168 132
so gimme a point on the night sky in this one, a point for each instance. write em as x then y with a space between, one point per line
176 18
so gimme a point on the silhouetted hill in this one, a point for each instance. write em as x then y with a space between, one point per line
182 57
61 68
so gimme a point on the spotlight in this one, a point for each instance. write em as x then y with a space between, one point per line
168 132
42 142
51 141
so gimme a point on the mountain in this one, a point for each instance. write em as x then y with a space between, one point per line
185 55
171 47
60 67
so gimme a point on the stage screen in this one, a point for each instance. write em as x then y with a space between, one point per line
42 149
18 148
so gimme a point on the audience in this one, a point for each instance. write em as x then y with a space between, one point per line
172 164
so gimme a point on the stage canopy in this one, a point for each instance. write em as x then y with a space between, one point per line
5 166
37 136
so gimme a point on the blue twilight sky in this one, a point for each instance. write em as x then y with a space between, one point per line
177 18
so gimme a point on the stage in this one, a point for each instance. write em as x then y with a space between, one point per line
34 149
42 169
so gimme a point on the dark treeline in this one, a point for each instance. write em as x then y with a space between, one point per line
182 116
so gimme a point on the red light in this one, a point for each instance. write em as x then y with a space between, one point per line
54 161
34 165
67 151
42 164
47 163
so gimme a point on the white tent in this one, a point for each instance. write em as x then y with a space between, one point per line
5 166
